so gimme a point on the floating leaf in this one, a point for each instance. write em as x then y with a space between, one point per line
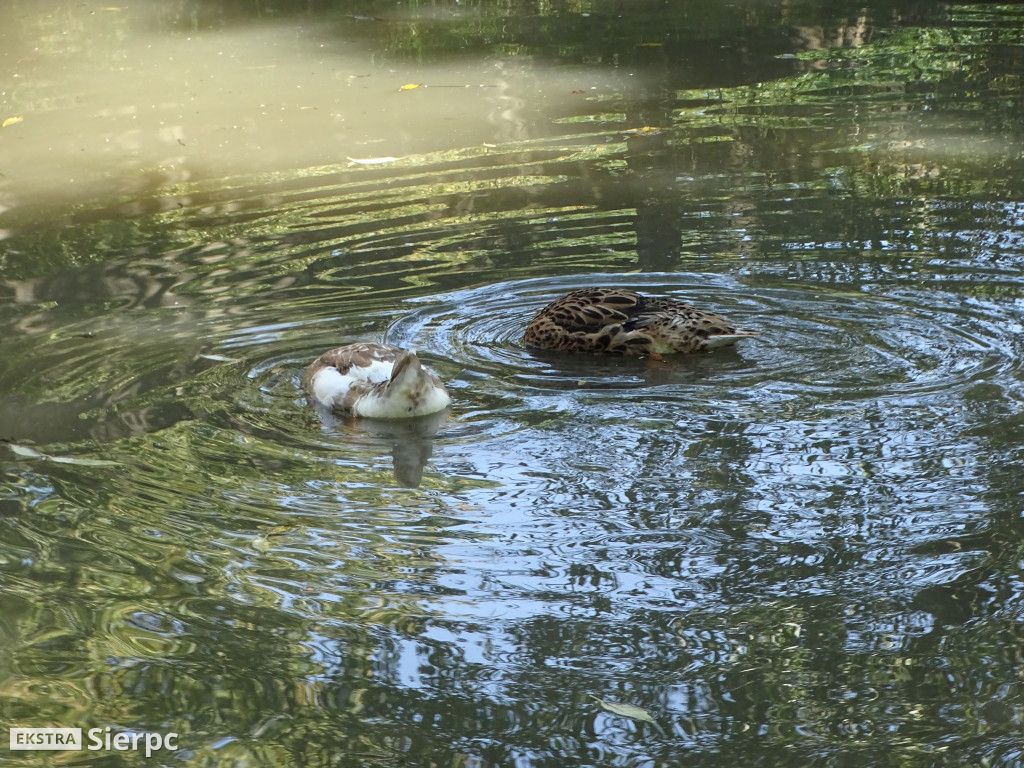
410 86
83 462
262 541
647 130
797 629
370 160
25 452
624 710
31 453
11 121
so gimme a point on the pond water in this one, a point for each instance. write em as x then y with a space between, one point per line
806 550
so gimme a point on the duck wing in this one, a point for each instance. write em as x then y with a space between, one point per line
683 327
625 322
367 361
591 309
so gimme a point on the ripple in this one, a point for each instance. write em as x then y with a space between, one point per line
482 329
829 346
820 347
840 347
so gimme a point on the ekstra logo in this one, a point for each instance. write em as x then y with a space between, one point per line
98 738
46 738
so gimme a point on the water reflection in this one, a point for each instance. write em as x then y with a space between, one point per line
806 550
409 442
802 467
196 104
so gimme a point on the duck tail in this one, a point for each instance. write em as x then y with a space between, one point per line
728 339
407 367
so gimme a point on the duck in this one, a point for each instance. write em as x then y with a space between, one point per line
619 321
377 381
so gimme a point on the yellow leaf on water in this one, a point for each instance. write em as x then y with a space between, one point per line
410 86
11 121
647 130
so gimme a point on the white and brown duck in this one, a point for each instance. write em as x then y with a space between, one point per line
374 380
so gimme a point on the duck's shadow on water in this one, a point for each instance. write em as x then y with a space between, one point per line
409 441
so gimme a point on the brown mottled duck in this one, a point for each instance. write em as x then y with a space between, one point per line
617 321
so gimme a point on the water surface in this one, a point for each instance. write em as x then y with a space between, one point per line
804 550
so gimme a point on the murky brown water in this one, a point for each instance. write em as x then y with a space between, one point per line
125 100
803 551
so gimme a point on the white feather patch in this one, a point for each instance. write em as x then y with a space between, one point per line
394 407
374 373
328 386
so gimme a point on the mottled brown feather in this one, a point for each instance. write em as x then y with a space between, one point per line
361 354
625 322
